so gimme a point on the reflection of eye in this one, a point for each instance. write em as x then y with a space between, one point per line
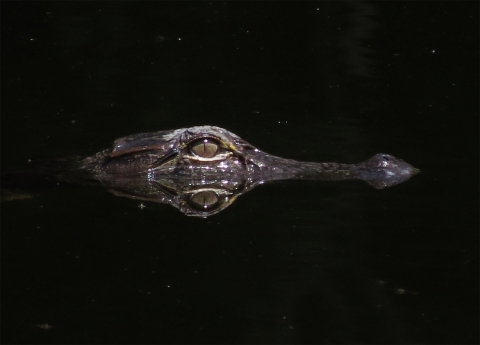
204 200
205 148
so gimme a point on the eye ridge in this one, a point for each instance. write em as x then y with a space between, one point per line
205 147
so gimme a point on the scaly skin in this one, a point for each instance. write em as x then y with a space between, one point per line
170 153
199 170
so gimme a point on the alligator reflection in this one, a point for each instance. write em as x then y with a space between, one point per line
200 200
202 170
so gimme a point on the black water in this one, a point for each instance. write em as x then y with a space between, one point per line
290 262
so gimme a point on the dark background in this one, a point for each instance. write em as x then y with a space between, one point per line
290 262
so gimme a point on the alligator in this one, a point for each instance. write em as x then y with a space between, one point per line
202 170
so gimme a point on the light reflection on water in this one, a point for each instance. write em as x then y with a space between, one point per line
292 261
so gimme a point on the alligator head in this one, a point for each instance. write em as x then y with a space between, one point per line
201 170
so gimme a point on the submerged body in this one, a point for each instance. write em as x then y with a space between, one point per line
199 170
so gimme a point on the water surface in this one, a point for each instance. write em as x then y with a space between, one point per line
289 262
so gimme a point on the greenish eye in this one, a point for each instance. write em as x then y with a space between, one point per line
204 200
205 148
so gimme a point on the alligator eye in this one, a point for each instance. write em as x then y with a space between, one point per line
204 199
205 148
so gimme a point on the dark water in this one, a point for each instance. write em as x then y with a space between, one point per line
290 262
